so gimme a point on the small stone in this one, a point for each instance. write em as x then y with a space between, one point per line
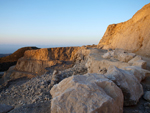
55 72
147 96
42 86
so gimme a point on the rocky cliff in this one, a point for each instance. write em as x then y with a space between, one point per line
132 35
7 61
39 61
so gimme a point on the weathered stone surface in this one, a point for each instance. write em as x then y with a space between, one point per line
43 107
89 93
36 62
107 55
125 57
34 66
60 53
82 55
132 35
147 96
138 72
140 63
120 55
135 59
96 63
129 84
5 108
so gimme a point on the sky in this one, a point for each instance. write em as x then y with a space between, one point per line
56 23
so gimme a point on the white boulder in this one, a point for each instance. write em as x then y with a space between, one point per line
137 61
91 93
138 72
128 83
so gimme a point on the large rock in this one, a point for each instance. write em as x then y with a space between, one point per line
132 35
5 108
138 72
147 96
96 62
120 55
129 84
89 93
99 62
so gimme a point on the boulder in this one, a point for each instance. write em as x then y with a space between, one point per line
132 35
125 57
96 65
138 72
128 83
135 59
89 93
140 63
147 96
122 55
5 108
119 54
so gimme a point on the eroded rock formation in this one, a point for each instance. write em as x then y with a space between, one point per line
132 35
35 62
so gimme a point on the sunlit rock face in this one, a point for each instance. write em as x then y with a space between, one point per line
132 35
90 93
35 62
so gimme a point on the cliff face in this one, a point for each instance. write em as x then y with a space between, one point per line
132 35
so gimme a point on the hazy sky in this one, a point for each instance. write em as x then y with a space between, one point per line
49 23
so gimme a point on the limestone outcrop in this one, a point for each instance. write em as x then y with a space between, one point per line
132 35
36 62
99 61
89 93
